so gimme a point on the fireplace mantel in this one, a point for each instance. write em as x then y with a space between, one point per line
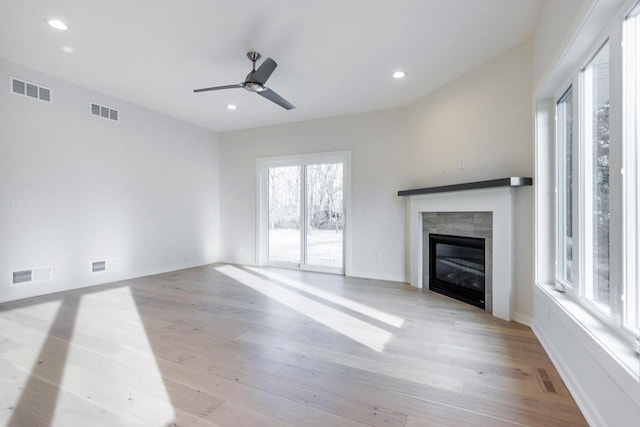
512 181
497 199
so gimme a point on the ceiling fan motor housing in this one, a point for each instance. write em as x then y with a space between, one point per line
253 86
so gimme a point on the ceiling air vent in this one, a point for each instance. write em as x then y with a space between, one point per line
102 111
31 275
30 90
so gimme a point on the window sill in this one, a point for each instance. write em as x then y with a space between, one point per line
612 351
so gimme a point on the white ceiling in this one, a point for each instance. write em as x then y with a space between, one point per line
335 56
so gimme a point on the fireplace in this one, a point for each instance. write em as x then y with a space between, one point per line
476 210
457 267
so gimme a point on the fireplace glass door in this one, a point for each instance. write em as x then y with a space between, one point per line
457 267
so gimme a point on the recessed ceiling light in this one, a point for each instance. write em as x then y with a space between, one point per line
399 74
67 49
231 107
57 24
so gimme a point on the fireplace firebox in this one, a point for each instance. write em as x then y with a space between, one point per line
457 267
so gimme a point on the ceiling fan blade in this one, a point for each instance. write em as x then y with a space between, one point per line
274 97
207 89
262 74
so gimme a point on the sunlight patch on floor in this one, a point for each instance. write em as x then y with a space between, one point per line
23 344
362 332
123 377
369 311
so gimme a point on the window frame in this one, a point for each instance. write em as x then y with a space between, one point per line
631 174
613 34
562 284
585 182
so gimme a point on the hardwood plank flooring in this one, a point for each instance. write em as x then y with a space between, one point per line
226 345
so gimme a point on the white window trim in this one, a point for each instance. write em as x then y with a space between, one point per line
614 322
563 285
630 176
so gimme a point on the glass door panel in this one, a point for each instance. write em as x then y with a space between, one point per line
284 214
324 215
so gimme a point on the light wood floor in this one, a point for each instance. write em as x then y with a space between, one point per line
238 346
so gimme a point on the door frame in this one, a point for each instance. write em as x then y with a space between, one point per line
262 206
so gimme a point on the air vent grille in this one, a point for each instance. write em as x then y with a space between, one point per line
105 265
19 87
22 276
31 275
44 94
545 381
98 266
102 111
30 90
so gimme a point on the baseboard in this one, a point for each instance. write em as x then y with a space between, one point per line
118 278
377 276
577 392
167 269
523 319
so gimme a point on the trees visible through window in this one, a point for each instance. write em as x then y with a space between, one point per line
302 211
596 145
597 172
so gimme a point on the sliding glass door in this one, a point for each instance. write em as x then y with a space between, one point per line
284 214
324 214
303 213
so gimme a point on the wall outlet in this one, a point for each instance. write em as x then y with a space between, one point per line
443 169
17 203
461 164
379 256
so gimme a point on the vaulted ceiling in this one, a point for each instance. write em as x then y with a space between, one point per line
334 56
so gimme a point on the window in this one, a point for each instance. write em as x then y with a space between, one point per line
631 139
597 179
596 183
564 137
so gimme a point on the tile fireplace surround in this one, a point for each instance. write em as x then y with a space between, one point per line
463 224
494 196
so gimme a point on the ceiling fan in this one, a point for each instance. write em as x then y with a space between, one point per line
255 80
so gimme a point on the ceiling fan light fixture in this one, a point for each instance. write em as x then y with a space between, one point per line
254 87
58 24
399 74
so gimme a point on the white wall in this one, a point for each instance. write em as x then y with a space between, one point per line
377 141
558 21
484 117
144 190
